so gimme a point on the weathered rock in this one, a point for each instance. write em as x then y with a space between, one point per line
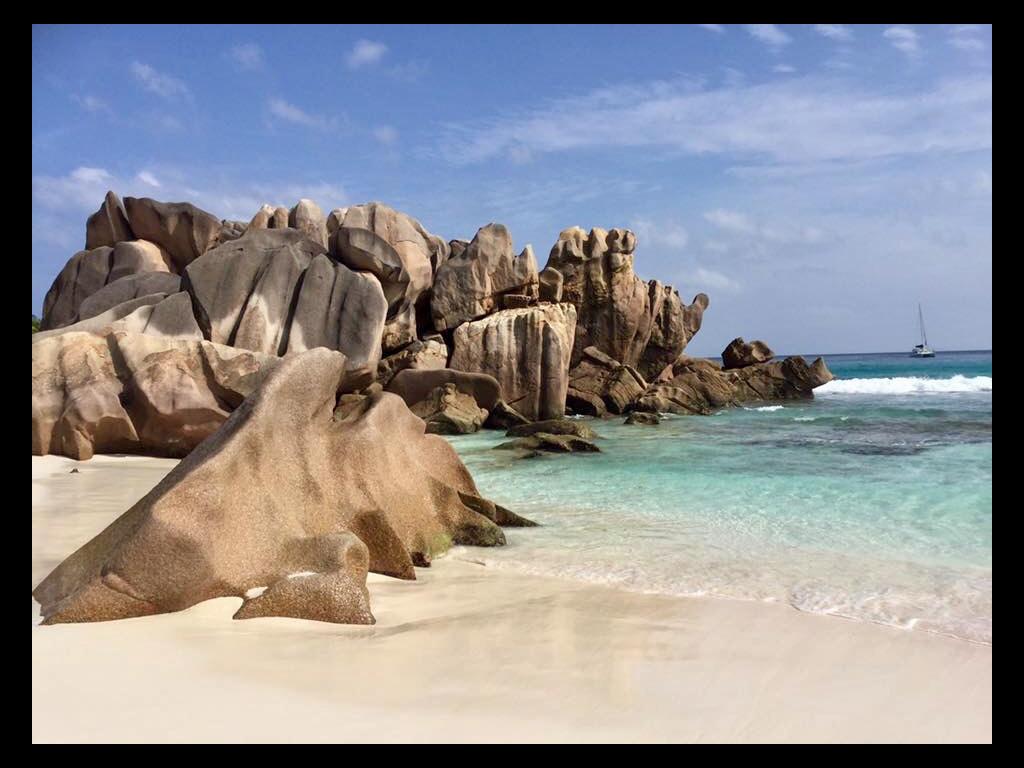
527 351
644 325
599 384
155 314
420 355
126 289
266 502
87 272
740 354
275 291
231 230
701 386
469 285
553 427
415 385
550 285
450 412
395 249
544 441
109 225
184 231
134 393
639 417
516 301
504 416
307 217
269 217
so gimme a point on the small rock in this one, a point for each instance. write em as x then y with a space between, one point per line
545 441
638 417
553 427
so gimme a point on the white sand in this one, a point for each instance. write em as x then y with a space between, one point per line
471 654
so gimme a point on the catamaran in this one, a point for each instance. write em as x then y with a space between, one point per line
922 349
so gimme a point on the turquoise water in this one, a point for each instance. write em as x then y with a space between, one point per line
872 502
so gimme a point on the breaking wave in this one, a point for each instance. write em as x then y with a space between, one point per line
905 385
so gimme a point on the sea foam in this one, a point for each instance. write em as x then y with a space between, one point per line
905 385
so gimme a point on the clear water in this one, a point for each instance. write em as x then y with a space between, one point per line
872 502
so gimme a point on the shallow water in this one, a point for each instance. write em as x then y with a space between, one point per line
873 501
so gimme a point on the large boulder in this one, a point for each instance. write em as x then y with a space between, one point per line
397 250
527 351
414 385
429 354
307 217
127 288
269 217
740 354
184 231
286 507
693 385
470 284
134 393
644 325
598 384
109 225
155 314
88 272
447 411
275 291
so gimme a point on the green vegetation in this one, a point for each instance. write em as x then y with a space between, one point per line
35 324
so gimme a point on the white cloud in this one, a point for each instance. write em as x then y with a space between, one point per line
92 103
290 113
247 56
769 34
667 235
904 39
713 27
365 52
834 31
385 134
968 37
148 178
783 68
709 279
736 223
800 120
83 188
164 86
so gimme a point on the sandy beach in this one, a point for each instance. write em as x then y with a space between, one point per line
467 653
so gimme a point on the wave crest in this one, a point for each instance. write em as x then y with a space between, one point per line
905 385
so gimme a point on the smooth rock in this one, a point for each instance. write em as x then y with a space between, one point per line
429 354
307 217
109 225
183 230
415 385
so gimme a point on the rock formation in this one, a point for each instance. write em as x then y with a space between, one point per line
286 507
447 411
430 354
414 385
181 229
740 354
109 225
599 384
644 325
527 351
469 284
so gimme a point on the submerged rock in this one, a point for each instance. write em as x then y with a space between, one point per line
545 441
639 417
286 507
553 427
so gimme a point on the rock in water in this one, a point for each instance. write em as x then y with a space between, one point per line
545 441
643 325
134 393
638 417
184 231
553 427
739 354
275 291
284 497
599 384
447 411
527 351
469 284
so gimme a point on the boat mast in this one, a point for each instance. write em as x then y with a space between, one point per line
920 319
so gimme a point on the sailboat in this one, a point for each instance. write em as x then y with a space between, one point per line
922 349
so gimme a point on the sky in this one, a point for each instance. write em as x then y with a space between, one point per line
816 181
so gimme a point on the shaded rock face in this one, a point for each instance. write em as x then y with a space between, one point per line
88 272
269 217
155 314
447 411
644 325
415 385
740 354
109 225
550 285
504 416
231 230
307 217
397 250
267 503
181 229
469 284
275 291
699 386
134 393
126 289
527 351
599 384
420 355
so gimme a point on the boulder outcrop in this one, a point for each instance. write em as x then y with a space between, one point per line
420 355
414 385
740 354
468 285
307 217
599 384
154 314
447 411
527 351
181 229
127 288
286 507
109 225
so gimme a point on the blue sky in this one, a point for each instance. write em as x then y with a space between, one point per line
816 181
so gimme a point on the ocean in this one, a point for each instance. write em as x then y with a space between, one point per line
872 502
